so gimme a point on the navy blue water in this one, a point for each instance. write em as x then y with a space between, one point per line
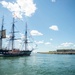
39 64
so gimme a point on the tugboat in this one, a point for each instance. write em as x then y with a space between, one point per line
14 52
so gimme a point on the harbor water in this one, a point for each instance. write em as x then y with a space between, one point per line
38 64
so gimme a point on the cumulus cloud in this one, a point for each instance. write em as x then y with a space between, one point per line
35 33
20 7
51 39
66 45
53 0
8 36
54 27
39 42
22 36
47 43
42 42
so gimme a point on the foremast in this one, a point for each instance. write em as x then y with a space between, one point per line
1 35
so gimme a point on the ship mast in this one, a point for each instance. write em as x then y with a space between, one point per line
26 41
1 36
13 36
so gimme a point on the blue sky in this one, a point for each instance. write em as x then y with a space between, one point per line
51 22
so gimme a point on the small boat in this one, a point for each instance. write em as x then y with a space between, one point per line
13 52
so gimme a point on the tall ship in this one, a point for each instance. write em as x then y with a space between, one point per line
13 52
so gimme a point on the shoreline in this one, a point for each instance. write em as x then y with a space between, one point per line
55 52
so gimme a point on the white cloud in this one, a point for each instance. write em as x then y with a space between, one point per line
53 0
39 42
42 42
51 39
47 43
22 36
7 36
20 7
66 44
54 27
35 33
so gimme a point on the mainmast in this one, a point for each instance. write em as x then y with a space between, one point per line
13 36
26 41
1 35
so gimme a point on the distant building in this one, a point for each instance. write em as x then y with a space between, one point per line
66 50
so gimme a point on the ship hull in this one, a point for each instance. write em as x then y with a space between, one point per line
6 53
3 51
